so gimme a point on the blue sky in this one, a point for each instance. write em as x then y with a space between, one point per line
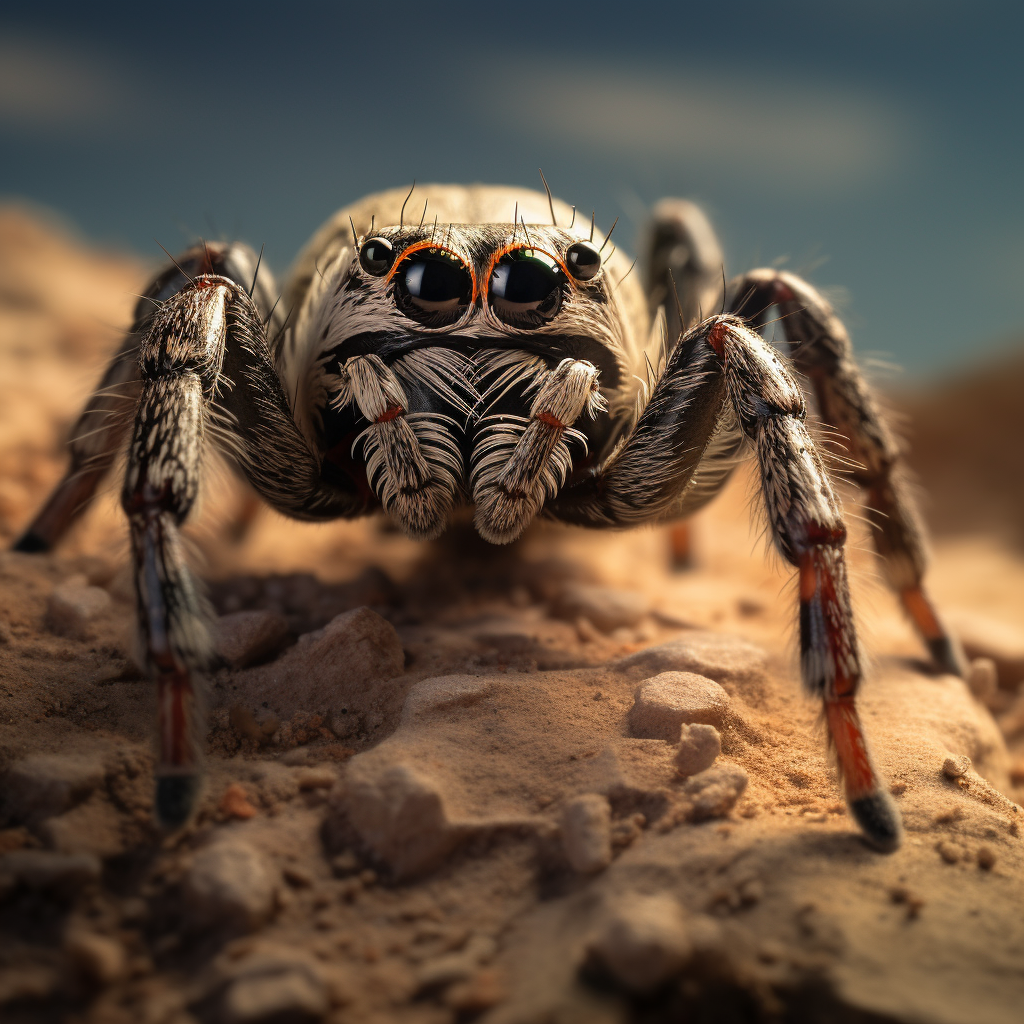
876 146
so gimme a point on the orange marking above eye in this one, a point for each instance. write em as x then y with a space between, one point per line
428 244
515 246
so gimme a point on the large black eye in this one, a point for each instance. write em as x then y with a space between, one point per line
376 256
582 260
433 287
526 288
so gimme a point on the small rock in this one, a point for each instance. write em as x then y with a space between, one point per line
245 638
983 679
454 967
74 606
956 765
643 943
338 667
41 869
92 827
714 655
986 858
506 633
297 756
699 745
5 633
663 704
400 814
316 777
471 998
714 792
603 607
276 991
42 785
235 802
1000 642
231 883
100 958
586 833
243 723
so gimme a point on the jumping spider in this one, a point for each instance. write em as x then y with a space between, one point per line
482 354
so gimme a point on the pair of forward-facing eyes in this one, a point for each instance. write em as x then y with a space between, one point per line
436 288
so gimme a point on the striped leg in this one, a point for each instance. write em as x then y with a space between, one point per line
725 383
821 349
204 362
808 529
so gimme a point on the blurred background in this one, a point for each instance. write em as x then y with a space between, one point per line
874 145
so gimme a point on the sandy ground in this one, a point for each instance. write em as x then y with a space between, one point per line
440 788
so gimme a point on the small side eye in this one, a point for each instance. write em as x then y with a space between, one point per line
376 256
583 261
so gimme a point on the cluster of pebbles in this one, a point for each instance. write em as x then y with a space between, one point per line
497 809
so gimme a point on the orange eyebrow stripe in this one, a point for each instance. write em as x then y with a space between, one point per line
428 244
512 247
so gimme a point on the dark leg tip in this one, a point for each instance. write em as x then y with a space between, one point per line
948 656
175 799
31 543
879 820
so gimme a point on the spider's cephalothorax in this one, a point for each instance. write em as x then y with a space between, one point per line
501 354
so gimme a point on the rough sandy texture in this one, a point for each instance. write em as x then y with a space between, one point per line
444 780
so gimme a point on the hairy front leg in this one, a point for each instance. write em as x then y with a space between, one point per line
203 360
180 359
722 385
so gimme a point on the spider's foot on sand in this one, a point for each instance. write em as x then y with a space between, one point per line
879 820
176 797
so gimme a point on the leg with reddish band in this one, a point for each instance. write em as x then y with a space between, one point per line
807 526
821 349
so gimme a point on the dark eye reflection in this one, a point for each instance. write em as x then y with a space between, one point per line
526 288
433 287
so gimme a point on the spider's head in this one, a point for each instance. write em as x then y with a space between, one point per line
474 286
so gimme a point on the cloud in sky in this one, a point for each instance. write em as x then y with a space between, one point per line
48 87
809 136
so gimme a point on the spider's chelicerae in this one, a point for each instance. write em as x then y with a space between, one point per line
491 350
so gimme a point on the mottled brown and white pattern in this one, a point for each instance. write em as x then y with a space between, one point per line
496 352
